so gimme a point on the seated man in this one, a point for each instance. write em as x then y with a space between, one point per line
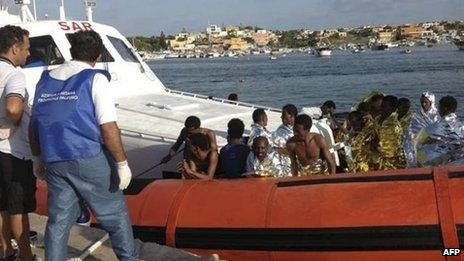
389 136
282 135
361 137
260 162
203 159
258 128
192 126
233 156
309 152
405 117
441 142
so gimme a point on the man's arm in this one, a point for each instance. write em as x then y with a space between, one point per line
212 140
291 154
14 109
112 139
213 160
173 150
326 153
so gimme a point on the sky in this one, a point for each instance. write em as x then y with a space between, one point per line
150 17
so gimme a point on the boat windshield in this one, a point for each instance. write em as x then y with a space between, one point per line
43 52
126 53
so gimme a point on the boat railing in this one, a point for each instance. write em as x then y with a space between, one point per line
147 136
221 100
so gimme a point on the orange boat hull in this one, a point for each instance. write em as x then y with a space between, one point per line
408 214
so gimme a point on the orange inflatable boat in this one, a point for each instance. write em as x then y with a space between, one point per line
408 214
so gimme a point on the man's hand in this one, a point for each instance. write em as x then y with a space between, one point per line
124 173
38 168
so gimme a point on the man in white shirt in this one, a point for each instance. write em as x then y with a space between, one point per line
74 129
261 162
258 128
17 183
280 137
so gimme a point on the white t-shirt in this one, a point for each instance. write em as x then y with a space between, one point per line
13 82
101 94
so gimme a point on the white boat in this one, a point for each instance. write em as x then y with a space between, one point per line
324 51
272 57
150 115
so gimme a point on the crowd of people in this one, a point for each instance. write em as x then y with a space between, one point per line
379 133
70 133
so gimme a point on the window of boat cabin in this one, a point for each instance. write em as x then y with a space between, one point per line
43 52
106 56
126 53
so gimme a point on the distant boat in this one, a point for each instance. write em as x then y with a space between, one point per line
272 57
323 52
379 47
407 51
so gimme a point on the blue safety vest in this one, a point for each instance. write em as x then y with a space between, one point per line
63 117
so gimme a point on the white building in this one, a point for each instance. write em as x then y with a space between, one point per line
215 31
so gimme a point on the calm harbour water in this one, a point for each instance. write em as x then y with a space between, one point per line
306 80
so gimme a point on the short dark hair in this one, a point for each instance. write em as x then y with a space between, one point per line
329 104
448 104
199 140
257 114
305 120
364 107
192 122
291 109
355 115
235 128
86 46
403 101
233 97
11 35
377 97
392 100
260 139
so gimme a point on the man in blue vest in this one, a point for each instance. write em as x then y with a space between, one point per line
74 130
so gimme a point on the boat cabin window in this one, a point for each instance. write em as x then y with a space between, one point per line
43 52
106 56
125 52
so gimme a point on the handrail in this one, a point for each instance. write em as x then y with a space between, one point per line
153 137
221 100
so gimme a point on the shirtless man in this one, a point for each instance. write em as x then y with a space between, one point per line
203 159
192 126
308 151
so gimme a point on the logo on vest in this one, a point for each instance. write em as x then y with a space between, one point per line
60 96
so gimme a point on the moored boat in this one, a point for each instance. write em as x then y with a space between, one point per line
323 51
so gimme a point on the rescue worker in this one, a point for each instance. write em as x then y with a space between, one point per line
74 131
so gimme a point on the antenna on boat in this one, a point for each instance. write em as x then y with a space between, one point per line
89 6
34 6
62 12
26 15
